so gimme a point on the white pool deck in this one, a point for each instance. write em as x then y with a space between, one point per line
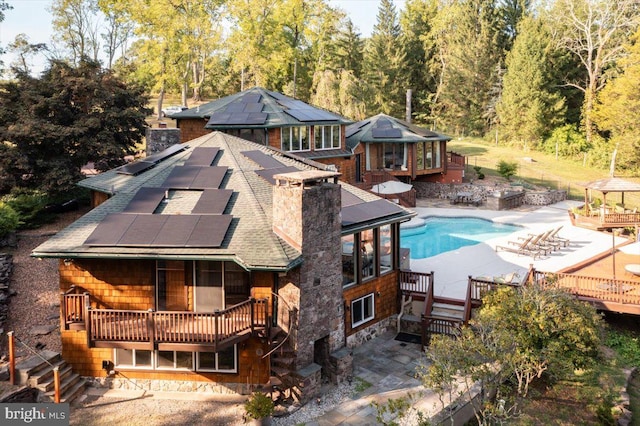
452 269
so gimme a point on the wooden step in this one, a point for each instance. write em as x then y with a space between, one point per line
45 373
34 364
49 385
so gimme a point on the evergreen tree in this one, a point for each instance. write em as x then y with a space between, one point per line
416 21
348 50
529 107
466 37
54 125
384 63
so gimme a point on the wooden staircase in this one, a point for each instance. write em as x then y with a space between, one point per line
283 381
37 372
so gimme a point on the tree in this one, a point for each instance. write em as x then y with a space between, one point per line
54 125
518 336
529 107
416 22
595 32
24 50
618 107
117 33
466 36
76 26
347 50
3 7
384 63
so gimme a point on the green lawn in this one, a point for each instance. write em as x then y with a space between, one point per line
536 168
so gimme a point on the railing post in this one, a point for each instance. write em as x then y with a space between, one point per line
253 308
216 320
151 329
12 358
56 384
63 312
87 319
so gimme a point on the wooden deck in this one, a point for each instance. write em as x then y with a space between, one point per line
605 220
165 330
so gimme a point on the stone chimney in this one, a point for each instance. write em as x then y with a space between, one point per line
306 214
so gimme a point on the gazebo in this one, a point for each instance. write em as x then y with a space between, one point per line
611 184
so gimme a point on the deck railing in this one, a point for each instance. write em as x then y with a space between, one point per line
72 307
175 327
415 282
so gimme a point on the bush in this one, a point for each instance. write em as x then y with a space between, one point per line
479 174
9 219
570 142
507 169
30 206
259 406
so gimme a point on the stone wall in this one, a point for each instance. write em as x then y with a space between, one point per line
160 139
6 268
447 191
371 332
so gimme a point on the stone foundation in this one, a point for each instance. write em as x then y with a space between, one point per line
122 383
341 366
371 332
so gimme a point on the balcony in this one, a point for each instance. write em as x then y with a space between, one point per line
165 330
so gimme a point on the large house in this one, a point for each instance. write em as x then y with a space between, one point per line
273 119
220 262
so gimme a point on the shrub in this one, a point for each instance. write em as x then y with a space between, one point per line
259 406
29 204
507 169
479 174
9 219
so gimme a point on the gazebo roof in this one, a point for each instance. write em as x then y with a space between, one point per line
613 184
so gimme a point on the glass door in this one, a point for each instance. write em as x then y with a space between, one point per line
209 291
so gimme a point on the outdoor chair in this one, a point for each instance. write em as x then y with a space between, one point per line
557 238
522 247
546 242
510 278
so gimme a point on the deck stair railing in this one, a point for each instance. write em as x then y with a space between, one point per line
73 304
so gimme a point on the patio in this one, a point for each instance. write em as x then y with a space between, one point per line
481 260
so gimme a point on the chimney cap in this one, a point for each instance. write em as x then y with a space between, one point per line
305 177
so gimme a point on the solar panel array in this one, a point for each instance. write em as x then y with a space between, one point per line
263 160
150 161
202 156
354 128
268 174
139 230
146 200
245 110
389 133
364 212
194 177
212 201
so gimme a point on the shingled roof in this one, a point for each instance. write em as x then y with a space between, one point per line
259 108
249 239
383 128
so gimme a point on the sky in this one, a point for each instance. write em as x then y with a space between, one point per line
32 18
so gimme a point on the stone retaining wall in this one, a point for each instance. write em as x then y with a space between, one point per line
372 332
6 268
448 191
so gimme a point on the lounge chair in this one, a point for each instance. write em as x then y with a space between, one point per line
546 243
522 247
510 278
557 238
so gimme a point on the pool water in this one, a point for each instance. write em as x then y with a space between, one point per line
442 234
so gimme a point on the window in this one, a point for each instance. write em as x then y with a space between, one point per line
428 155
362 310
223 361
395 156
368 254
134 358
348 260
295 139
170 285
385 250
327 137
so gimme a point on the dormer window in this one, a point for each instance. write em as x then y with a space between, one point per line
295 138
327 137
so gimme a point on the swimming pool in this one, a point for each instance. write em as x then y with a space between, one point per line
441 234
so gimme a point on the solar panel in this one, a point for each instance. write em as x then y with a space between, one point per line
195 177
349 199
269 173
164 154
236 107
253 107
209 231
212 201
263 160
202 156
175 232
251 98
110 230
386 133
135 168
382 123
226 118
143 230
312 114
145 201
131 230
363 212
